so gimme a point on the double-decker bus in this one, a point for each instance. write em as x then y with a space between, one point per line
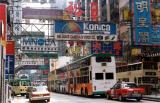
90 75
142 73
20 85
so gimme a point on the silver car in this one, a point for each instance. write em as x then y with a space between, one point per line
39 93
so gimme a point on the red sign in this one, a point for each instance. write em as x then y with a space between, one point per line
94 11
10 48
3 22
74 9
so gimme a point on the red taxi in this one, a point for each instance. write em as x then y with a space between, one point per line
126 90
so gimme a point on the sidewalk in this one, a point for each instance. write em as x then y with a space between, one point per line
153 97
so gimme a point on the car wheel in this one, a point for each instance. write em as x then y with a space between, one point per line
108 96
120 98
138 100
48 100
31 101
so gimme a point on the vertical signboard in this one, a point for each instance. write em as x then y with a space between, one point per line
94 11
10 48
3 24
114 10
9 68
10 61
145 32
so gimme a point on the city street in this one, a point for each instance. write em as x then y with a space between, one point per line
60 98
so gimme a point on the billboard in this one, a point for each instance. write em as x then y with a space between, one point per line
38 44
85 31
3 23
68 26
30 13
77 27
145 32
77 48
114 48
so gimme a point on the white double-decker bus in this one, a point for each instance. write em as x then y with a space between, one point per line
91 75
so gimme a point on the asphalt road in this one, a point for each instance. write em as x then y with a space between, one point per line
61 98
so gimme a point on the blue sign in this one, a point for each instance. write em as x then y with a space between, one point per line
100 28
145 33
37 41
9 68
114 48
68 27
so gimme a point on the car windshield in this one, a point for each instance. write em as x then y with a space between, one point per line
130 85
40 89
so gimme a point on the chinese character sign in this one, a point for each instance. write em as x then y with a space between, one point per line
94 11
114 48
145 32
74 9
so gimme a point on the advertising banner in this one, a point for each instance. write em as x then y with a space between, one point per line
68 27
145 33
114 48
85 37
3 23
94 11
78 27
38 44
30 13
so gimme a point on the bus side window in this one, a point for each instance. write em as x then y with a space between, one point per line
90 75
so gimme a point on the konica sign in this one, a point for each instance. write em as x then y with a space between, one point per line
79 27
99 28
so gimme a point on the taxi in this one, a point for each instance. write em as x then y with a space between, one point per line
39 93
125 90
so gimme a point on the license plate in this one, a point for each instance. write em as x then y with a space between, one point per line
41 95
136 94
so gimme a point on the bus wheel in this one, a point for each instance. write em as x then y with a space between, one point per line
22 94
64 91
72 91
82 92
86 92
108 96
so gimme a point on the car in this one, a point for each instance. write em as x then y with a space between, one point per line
39 93
125 90
29 89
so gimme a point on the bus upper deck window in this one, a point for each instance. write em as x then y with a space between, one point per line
103 59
